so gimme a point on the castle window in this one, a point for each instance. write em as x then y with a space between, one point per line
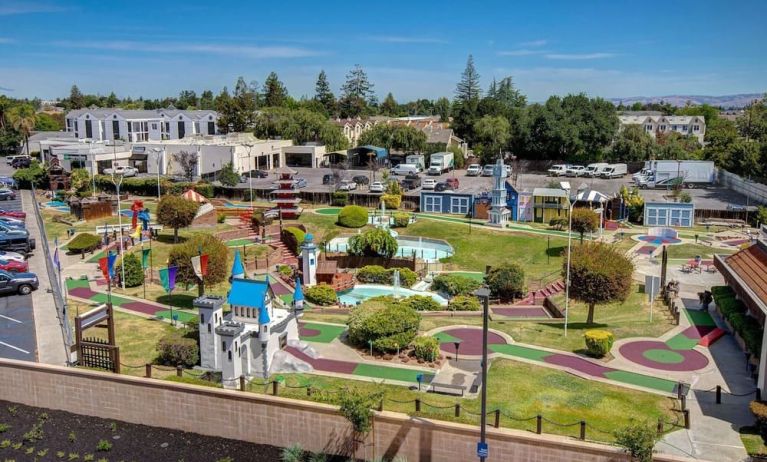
209 328
223 345
229 355
202 318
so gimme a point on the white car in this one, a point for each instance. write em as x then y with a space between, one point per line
474 170
488 170
575 170
377 187
558 170
428 183
11 256
121 170
347 185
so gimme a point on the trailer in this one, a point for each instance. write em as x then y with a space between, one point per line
416 159
687 173
440 162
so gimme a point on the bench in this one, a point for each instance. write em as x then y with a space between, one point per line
449 388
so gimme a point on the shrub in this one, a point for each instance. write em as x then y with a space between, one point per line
356 406
293 238
84 242
373 274
392 201
507 280
218 259
734 311
134 273
598 342
374 242
174 349
465 303
455 284
389 325
321 294
407 277
220 219
285 270
401 220
638 439
103 446
339 198
426 348
260 219
422 303
759 409
558 223
353 216
34 174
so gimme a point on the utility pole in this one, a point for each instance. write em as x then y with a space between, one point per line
483 293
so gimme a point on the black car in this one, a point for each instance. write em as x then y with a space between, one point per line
21 162
410 182
255 174
327 179
443 186
7 194
361 180
18 283
15 241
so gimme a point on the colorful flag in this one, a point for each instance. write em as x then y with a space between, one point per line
56 260
136 232
111 259
168 278
200 266
104 265
145 258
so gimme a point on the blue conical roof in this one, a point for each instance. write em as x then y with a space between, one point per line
298 294
263 315
237 269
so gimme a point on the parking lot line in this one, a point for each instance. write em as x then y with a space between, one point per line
10 318
15 348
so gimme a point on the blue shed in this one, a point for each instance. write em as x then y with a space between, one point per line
446 202
512 200
680 214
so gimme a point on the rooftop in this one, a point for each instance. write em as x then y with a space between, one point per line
248 292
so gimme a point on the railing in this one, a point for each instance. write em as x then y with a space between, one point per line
59 300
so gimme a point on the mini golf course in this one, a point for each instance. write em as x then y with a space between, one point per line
319 333
470 339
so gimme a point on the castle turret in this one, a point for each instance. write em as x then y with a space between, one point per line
238 270
309 260
210 308
298 298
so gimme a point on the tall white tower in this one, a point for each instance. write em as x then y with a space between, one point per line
309 261
498 214
211 312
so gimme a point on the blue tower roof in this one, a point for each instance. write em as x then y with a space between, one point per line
248 292
237 267
298 294
263 316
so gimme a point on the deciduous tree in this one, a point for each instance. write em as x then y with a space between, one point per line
584 221
176 212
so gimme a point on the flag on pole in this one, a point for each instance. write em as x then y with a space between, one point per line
168 278
56 260
136 232
104 265
200 266
145 258
111 259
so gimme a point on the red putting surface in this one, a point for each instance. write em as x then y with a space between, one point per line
646 250
327 365
307 332
82 292
531 312
471 341
142 307
635 352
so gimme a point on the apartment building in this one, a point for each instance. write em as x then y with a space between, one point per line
102 124
654 123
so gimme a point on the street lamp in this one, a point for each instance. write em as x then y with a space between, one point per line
93 170
158 151
117 183
483 293
569 248
250 174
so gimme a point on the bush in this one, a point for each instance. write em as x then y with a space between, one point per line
353 216
455 284
134 273
598 342
339 198
220 219
735 312
321 294
507 281
558 223
422 303
389 325
465 303
285 270
218 259
260 219
407 277
293 238
356 406
374 242
392 201
401 220
426 348
375 274
759 409
84 242
638 440
174 349
35 174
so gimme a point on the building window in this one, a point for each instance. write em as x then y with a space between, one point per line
663 128
197 127
223 345
154 126
140 130
229 355
209 328
673 127
696 128
684 128
648 128
116 129
459 205
181 130
432 204
69 124
202 318
211 128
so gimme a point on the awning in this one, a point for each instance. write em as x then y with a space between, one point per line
139 156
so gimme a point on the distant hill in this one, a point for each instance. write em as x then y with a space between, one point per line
726 101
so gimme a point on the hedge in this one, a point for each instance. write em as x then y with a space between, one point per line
734 312
426 348
173 349
321 294
465 303
598 342
293 238
134 273
375 274
148 186
759 409
353 216
455 284
84 242
422 303
389 326
392 201
401 220
339 198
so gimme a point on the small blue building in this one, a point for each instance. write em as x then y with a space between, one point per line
452 202
512 200
680 214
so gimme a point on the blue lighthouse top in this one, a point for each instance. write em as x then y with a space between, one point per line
298 294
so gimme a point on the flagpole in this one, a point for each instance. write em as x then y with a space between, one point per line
151 256
142 263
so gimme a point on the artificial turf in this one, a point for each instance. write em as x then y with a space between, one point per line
642 380
518 351
78 283
327 334
391 373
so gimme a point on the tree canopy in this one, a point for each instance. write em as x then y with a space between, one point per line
176 212
584 221
299 125
373 242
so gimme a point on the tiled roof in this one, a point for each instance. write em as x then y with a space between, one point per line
751 267
248 292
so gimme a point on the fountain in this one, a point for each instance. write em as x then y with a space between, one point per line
395 280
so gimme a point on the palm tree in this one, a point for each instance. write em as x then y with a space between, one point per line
23 119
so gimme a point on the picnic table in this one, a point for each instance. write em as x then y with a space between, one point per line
695 264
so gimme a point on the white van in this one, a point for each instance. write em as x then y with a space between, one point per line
595 169
558 170
404 169
615 171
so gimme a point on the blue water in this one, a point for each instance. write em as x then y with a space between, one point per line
361 292
428 250
56 204
235 206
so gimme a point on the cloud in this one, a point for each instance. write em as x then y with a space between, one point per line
13 7
245 51
579 56
6 89
521 52
403 39
533 43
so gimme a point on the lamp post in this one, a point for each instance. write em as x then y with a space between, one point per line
250 175
483 293
569 249
158 151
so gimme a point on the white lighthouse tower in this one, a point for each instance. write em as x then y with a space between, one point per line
499 214
309 260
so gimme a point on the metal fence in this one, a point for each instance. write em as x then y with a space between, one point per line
756 192
57 291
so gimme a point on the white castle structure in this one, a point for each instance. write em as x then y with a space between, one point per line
244 341
309 260
499 214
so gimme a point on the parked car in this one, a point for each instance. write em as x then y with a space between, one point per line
12 256
7 194
17 241
327 178
255 174
14 266
21 162
18 283
488 170
558 170
443 186
13 213
474 170
301 182
411 181
347 185
9 183
12 222
404 169
377 187
452 182
123 170
361 180
4 229
575 170
429 183
615 171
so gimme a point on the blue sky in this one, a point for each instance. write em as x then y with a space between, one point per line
413 49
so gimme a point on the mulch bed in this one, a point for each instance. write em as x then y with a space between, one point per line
80 435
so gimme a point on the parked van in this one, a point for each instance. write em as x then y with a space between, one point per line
615 171
558 170
595 169
404 169
16 241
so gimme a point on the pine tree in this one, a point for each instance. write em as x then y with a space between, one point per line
112 100
206 100
468 89
493 90
274 91
76 99
324 95
357 93
389 106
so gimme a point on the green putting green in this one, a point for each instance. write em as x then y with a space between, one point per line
391 373
521 352
77 283
681 342
700 318
103 298
469 274
287 298
327 333
95 258
181 316
641 380
240 242
663 356
444 337
328 211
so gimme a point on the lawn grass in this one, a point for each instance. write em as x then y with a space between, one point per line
693 250
752 441
327 334
323 227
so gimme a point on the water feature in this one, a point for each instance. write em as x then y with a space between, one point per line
430 250
361 292
395 278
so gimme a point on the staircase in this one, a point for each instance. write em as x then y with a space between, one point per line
287 256
535 297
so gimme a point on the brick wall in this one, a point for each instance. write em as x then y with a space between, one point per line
275 420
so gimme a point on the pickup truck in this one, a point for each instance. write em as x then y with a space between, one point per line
123 170
18 283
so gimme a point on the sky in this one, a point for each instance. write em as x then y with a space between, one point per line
413 49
